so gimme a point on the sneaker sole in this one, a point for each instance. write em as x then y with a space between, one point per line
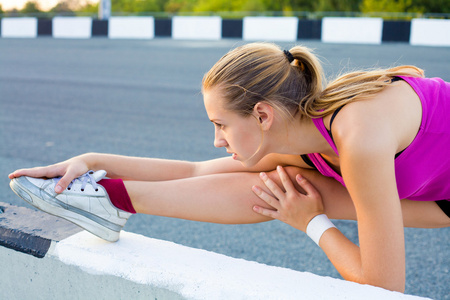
58 211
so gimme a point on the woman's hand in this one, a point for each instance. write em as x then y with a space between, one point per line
290 206
69 170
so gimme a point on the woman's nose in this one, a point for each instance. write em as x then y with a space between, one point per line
219 141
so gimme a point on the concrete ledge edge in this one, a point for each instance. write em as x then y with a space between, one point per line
147 267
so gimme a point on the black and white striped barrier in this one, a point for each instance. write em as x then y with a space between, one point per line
427 32
44 257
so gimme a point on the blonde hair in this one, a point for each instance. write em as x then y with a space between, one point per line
262 72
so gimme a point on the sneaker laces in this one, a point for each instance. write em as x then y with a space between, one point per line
84 179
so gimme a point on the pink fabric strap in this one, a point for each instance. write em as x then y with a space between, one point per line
321 165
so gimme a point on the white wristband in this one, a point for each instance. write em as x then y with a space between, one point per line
317 226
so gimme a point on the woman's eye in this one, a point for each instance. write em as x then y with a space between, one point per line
218 126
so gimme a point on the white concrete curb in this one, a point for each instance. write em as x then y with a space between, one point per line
72 27
352 30
430 32
46 257
131 28
19 27
199 274
197 28
270 28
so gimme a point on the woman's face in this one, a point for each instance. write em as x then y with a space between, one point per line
241 136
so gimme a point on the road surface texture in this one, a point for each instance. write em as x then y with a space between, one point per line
60 98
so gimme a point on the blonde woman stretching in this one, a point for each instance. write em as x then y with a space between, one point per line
372 146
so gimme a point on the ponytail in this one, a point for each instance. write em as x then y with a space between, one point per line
311 70
355 86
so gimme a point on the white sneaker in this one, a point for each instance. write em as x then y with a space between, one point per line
84 203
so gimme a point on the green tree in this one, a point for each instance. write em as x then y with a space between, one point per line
217 5
400 6
337 5
66 7
30 7
289 5
233 5
1 9
89 7
174 6
432 6
253 5
138 5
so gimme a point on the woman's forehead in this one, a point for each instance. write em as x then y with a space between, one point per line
214 102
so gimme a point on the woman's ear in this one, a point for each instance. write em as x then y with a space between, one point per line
264 113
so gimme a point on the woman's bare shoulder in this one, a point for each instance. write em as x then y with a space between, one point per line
392 116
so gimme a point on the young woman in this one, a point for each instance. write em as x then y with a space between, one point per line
373 146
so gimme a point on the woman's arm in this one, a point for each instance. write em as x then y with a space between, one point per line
380 259
369 174
149 169
116 166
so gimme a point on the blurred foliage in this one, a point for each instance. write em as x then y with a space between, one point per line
67 7
337 5
30 7
89 8
411 6
285 7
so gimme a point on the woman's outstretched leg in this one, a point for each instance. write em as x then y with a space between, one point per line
227 198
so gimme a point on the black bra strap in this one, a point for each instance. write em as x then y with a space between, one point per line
332 119
394 79
308 161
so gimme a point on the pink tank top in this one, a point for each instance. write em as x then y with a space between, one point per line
422 170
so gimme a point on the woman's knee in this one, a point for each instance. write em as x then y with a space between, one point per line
292 172
336 200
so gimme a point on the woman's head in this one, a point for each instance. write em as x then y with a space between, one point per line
251 83
261 72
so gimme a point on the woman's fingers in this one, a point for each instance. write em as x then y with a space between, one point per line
37 172
72 171
307 186
286 180
266 212
266 197
68 170
63 183
271 185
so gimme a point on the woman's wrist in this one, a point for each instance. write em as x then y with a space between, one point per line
317 227
90 160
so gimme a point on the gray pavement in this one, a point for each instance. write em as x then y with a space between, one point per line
60 98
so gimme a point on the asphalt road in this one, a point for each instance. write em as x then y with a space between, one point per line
60 98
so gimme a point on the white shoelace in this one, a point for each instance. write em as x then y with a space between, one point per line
84 179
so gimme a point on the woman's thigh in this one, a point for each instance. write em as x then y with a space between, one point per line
423 214
336 200
339 205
